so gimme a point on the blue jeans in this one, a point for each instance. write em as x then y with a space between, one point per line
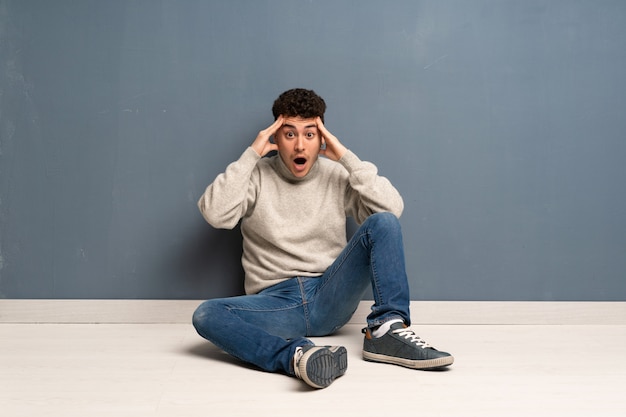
265 329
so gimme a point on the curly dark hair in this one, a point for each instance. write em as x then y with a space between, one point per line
299 102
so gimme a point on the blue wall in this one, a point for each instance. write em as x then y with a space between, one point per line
502 123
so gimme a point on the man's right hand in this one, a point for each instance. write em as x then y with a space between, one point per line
262 144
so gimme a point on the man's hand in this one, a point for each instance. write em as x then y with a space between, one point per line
334 149
262 144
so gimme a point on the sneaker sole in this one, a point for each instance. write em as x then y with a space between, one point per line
321 365
409 363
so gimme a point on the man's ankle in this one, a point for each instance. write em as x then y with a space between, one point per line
384 328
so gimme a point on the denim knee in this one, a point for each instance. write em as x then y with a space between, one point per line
202 316
384 221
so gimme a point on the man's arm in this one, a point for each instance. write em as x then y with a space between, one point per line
370 193
227 199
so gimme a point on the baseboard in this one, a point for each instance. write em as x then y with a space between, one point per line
422 312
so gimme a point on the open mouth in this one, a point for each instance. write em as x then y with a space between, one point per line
299 165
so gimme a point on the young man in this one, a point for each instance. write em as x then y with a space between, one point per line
302 277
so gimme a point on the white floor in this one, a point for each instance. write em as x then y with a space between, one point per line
167 370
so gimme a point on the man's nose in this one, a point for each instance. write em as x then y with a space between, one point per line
300 143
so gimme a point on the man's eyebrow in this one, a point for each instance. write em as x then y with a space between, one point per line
293 127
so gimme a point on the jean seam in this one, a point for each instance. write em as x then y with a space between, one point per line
378 297
343 259
376 287
262 310
305 307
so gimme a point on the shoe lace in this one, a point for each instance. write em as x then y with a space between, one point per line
410 335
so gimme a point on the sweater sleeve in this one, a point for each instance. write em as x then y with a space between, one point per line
369 192
226 200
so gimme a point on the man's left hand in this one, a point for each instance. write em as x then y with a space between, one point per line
334 149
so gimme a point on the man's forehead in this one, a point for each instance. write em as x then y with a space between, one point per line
300 122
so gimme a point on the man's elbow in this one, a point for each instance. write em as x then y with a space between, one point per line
398 207
217 220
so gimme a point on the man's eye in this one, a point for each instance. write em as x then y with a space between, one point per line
310 135
289 134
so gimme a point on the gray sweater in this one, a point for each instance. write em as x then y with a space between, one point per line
294 226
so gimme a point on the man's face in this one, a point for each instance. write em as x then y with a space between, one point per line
299 144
